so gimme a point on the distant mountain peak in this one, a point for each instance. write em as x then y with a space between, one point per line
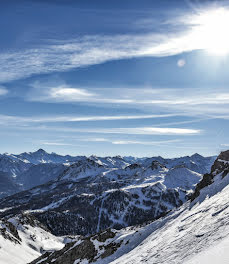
118 157
40 151
196 155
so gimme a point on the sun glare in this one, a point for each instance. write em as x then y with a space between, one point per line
211 31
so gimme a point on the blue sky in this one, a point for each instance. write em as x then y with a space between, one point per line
138 78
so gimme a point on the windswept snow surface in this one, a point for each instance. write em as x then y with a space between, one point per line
196 233
215 254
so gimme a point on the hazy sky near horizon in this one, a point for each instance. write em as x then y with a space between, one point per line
140 78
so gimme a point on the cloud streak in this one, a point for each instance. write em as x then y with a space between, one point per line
128 131
132 142
56 144
146 143
114 142
6 119
194 102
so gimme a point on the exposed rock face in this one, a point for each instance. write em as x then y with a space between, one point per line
220 166
70 253
156 165
87 249
207 180
8 231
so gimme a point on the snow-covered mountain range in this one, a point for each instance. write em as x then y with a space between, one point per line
27 170
83 197
114 192
197 232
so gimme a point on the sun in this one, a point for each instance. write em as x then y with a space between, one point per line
211 31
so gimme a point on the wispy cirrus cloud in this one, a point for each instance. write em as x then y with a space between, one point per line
193 102
81 52
132 142
56 144
85 142
111 141
128 131
24 123
146 143
7 119
95 49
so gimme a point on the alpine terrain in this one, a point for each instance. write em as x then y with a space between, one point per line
196 232
92 209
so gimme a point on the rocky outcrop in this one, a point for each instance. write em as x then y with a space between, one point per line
85 249
9 231
207 180
220 166
156 165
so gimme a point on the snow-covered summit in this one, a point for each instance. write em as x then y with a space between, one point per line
83 169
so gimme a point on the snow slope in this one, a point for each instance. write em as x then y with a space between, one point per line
26 242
